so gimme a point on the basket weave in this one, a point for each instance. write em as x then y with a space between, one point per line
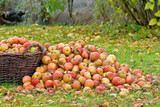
13 66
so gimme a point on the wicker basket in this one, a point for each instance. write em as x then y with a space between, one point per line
13 66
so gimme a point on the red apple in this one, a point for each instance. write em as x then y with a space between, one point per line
141 83
26 84
99 71
57 75
52 66
50 91
130 79
101 50
111 75
35 81
29 87
47 76
100 88
26 79
68 66
107 68
73 74
78 50
137 71
68 59
98 62
94 56
75 61
82 65
125 66
85 55
89 83
82 80
117 81
106 63
26 44
96 82
87 75
46 59
92 48
48 84
40 85
76 85
96 77
57 83
81 42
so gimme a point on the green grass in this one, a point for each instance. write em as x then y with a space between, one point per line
139 47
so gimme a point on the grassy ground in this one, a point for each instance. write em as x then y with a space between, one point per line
137 46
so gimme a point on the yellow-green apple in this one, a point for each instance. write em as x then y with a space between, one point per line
96 77
61 61
51 49
62 56
57 52
113 56
99 71
73 74
85 54
47 76
141 83
87 61
71 55
110 59
117 81
98 62
94 56
76 85
68 59
105 81
26 79
3 47
40 85
107 68
48 84
101 50
82 65
37 75
47 45
57 83
122 74
92 48
26 84
78 50
67 50
106 63
92 70
67 87
75 69
52 66
130 79
82 80
89 83
35 81
125 66
111 75
67 78
29 87
68 66
46 59
40 69
57 75
81 42
87 75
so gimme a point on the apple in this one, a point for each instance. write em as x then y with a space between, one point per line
82 72
82 65
99 71
67 87
141 83
57 52
107 68
130 79
87 75
101 50
105 81
51 92
98 62
44 67
15 39
85 54
26 84
29 87
104 75
111 75
37 75
137 71
19 88
73 74
125 66
110 59
68 66
46 59
53 56
78 57
139 75
34 81
51 48
47 45
96 77
40 69
100 88
92 48
48 83
81 42
3 47
149 76
61 61
52 66
92 70
68 59
40 85
117 81
113 56
75 61
67 78
26 79
92 64
67 50
26 44
89 83
57 75
71 44
76 85
21 50
94 56
62 56
82 80
106 63
78 50
75 69
122 74
57 83
47 76
87 61
96 83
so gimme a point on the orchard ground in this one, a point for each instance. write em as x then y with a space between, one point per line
137 46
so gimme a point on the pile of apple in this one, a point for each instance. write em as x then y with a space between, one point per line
76 66
17 45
